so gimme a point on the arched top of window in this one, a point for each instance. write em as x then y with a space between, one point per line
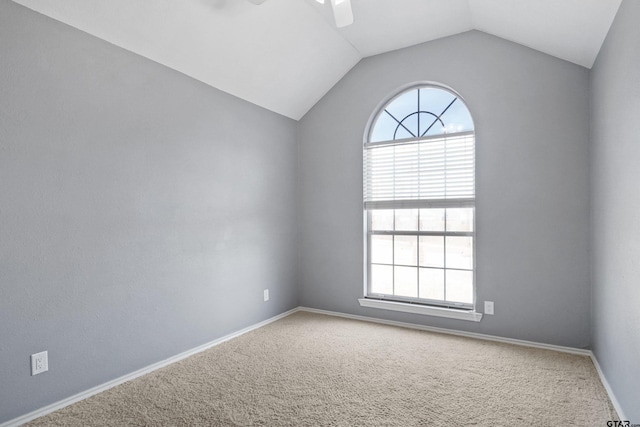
419 112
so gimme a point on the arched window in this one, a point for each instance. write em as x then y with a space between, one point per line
419 199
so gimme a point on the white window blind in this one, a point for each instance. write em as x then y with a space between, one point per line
423 172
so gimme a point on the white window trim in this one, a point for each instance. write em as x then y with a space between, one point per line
450 313
370 300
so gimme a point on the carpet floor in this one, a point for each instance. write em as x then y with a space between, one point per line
310 369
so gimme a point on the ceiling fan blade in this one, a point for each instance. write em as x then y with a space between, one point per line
342 12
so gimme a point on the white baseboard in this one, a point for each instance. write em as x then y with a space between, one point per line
605 383
106 386
571 350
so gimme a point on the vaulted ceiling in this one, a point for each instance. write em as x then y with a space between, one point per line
284 55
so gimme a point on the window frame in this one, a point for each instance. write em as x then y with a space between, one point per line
418 233
417 304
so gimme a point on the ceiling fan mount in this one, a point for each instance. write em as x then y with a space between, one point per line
342 12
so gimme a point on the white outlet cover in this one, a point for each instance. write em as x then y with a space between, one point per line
488 307
39 363
266 294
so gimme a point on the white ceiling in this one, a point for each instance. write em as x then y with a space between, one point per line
284 55
569 29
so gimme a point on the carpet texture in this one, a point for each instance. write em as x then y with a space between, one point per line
309 369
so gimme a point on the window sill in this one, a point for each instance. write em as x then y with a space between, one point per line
450 313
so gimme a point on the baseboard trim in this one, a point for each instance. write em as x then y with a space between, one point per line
607 387
128 377
571 350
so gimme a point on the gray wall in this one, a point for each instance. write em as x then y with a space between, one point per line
532 126
142 213
615 230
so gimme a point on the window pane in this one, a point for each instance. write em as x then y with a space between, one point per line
407 219
402 132
435 101
460 219
432 251
382 279
408 128
382 249
400 108
384 128
459 252
460 286
406 281
431 219
406 250
431 283
457 118
382 220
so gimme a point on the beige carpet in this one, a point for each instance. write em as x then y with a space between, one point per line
309 369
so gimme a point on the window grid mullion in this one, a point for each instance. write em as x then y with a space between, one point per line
412 266
393 256
423 233
417 236
444 255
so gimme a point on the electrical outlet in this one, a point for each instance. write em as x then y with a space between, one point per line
39 363
266 294
488 307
